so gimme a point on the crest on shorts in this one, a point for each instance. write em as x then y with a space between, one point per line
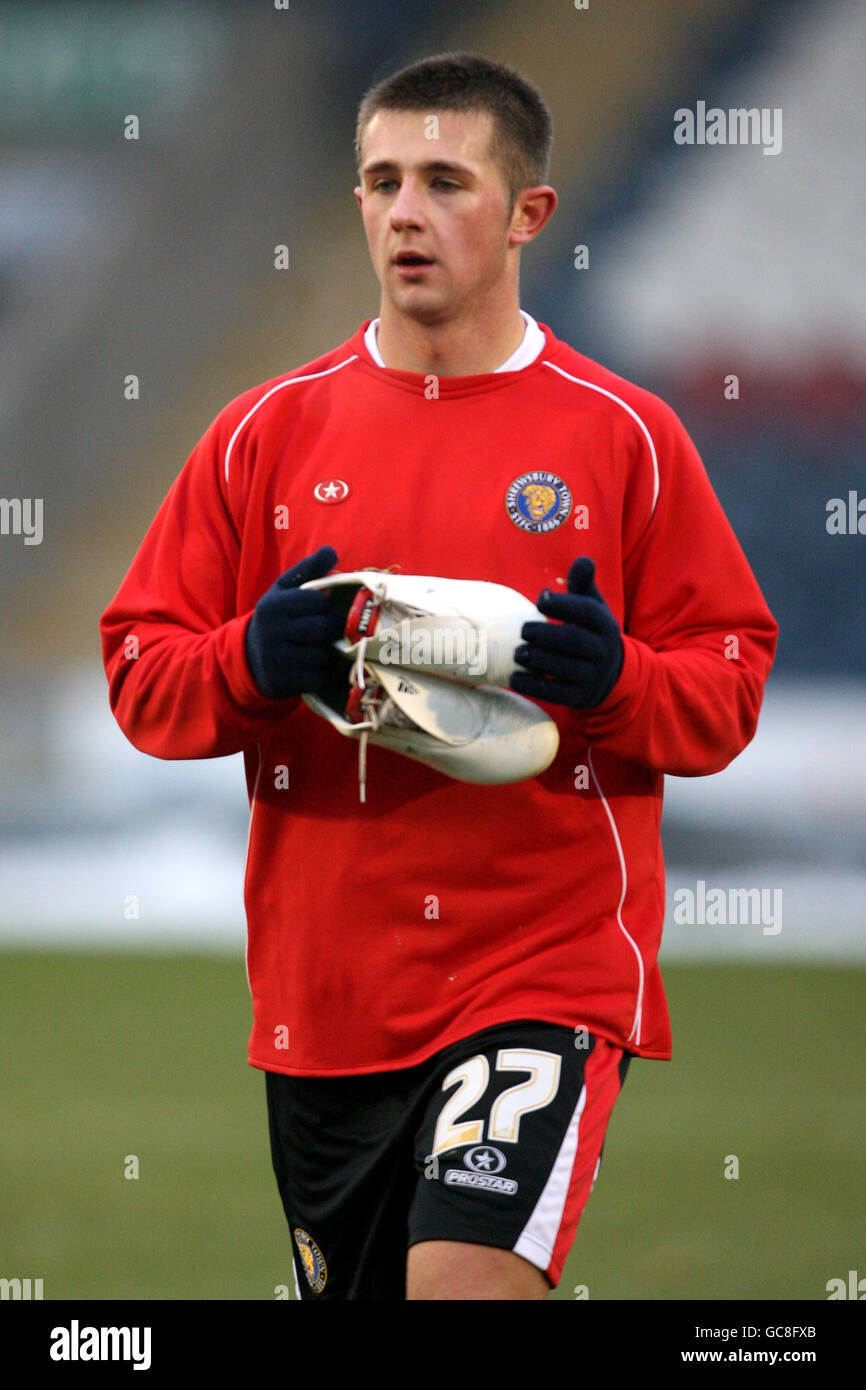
312 1260
538 501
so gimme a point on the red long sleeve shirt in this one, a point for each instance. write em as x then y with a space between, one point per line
380 933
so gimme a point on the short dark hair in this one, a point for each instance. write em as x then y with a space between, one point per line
522 123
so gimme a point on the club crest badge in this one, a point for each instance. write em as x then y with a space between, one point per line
331 490
312 1259
538 501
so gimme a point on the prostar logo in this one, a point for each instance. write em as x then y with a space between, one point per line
484 1159
331 491
485 1164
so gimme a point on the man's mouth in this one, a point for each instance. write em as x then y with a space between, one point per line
412 258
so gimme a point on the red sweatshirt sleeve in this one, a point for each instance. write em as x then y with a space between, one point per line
699 639
172 638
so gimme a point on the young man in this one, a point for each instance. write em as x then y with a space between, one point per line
450 980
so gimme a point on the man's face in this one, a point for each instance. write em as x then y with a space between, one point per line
429 187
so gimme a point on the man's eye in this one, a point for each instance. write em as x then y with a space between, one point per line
384 185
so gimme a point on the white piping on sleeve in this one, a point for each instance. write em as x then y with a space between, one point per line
292 381
591 386
637 1020
247 860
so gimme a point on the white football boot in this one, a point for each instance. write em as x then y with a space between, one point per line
463 629
472 733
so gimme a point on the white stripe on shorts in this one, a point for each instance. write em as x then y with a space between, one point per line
538 1237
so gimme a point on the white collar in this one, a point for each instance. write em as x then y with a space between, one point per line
523 355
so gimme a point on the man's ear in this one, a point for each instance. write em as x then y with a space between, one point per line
532 212
359 196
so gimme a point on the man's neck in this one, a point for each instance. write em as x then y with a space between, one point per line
447 349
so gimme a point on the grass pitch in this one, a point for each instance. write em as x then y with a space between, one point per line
113 1058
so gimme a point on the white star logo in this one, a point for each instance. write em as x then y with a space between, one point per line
331 490
484 1158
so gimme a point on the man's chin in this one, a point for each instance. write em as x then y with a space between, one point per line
425 308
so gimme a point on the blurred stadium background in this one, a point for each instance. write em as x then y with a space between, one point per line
124 1034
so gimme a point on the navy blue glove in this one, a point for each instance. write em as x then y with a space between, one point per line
577 661
290 635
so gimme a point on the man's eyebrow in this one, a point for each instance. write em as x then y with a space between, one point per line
433 166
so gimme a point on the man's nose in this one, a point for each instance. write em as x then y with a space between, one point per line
407 206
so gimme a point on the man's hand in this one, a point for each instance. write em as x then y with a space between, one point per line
290 635
577 661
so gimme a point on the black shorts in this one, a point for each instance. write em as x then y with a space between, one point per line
496 1140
